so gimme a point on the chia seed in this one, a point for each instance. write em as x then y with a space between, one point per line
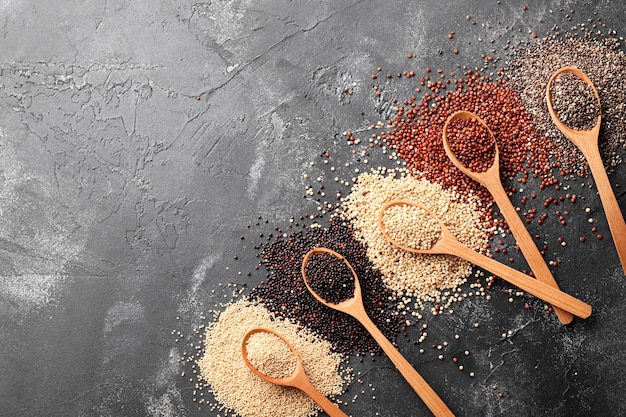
574 102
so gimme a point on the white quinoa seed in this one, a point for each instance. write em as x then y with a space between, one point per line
270 355
411 226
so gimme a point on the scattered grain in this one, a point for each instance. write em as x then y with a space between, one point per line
285 294
415 134
574 102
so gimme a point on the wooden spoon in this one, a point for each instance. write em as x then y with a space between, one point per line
297 379
449 245
491 180
587 142
354 307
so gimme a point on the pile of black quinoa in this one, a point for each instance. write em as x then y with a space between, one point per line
284 291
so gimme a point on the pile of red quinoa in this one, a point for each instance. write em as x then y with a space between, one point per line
415 134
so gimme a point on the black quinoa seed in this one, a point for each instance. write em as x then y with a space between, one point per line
329 277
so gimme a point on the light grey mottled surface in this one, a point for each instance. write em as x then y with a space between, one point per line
138 139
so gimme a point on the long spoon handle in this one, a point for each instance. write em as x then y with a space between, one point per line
528 247
421 387
331 409
611 207
530 285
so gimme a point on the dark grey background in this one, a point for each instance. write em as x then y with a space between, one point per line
138 139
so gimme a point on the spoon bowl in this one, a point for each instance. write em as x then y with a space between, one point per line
578 137
480 177
297 379
351 306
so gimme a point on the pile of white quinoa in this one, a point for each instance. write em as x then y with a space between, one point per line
425 277
239 390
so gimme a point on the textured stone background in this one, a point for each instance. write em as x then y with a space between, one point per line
139 138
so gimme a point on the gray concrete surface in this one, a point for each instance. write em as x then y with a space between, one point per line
139 138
